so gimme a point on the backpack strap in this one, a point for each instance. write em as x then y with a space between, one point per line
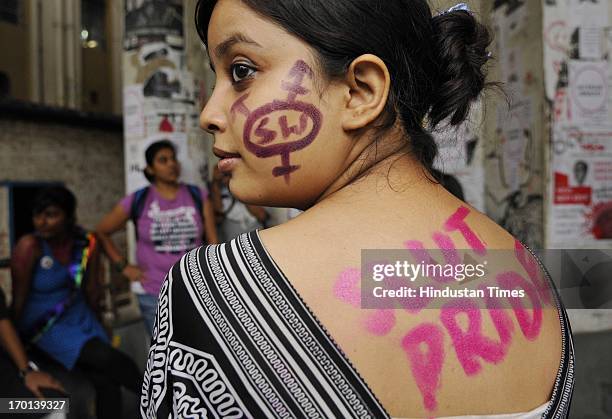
138 202
196 195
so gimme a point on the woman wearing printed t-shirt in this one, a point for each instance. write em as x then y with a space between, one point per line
170 218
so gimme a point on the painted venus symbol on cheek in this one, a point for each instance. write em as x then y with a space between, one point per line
267 141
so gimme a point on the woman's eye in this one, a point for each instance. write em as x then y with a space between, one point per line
241 72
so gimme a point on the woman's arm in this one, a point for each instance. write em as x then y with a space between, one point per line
33 380
110 223
210 227
26 253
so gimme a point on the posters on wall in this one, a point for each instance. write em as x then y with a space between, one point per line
581 187
577 74
460 155
160 93
514 181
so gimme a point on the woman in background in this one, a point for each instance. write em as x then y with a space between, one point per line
170 217
55 273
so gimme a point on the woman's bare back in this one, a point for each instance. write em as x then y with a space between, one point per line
423 362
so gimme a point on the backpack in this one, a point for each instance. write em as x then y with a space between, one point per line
140 197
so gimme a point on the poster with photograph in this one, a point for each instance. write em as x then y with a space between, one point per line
581 187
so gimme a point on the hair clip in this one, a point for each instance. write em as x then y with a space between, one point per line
457 7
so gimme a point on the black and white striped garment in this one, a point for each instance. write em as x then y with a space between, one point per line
233 339
245 346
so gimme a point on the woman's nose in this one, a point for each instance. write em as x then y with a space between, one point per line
212 117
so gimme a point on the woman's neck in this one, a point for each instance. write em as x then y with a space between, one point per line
61 239
378 172
167 190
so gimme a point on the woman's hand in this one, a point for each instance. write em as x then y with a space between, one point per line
37 380
132 272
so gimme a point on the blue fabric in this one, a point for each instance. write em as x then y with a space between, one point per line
51 284
148 309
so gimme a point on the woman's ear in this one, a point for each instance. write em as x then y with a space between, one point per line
369 82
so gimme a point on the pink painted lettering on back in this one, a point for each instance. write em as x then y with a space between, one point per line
346 287
530 324
470 345
456 222
426 366
380 322
447 247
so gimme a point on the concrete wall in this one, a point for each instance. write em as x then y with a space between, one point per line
88 161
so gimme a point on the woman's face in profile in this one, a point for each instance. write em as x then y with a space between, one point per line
271 112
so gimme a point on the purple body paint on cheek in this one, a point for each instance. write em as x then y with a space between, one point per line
266 135
530 324
472 344
294 129
263 136
456 222
298 72
240 107
426 366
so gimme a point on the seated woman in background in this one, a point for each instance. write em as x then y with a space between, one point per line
170 218
323 106
54 273
21 377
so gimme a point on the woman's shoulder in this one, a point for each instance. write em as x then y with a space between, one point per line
214 262
26 245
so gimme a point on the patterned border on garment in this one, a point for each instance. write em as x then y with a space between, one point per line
193 369
243 358
295 323
154 380
199 386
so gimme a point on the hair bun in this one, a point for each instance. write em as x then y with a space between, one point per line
461 53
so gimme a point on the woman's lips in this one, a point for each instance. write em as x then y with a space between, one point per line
228 164
228 160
